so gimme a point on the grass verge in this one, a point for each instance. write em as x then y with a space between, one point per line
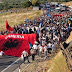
67 3
17 18
59 64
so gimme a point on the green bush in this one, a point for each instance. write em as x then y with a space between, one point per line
8 4
26 4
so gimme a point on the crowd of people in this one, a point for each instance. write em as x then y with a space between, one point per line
50 30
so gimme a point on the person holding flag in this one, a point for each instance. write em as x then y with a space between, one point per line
25 24
41 23
34 22
8 27
27 20
25 56
48 15
30 45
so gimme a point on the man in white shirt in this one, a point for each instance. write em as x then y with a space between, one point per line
35 46
45 50
53 47
25 55
40 50
33 52
49 47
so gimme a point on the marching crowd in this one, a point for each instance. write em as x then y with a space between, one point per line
50 30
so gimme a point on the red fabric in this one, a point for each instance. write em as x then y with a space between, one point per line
59 15
8 27
59 21
39 19
15 44
59 39
43 48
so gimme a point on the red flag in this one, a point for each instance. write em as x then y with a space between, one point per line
8 27
59 21
15 44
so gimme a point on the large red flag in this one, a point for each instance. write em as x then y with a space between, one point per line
8 27
15 44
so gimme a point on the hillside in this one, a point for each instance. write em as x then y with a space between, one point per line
52 64
68 3
59 64
16 18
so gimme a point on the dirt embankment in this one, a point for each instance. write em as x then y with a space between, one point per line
68 3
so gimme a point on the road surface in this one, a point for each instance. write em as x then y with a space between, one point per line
9 63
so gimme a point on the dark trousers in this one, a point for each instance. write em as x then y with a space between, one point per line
33 57
49 50
26 58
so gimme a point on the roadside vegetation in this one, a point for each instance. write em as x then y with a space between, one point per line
59 64
9 4
68 3
56 63
17 18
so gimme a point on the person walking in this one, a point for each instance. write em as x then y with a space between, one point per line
40 50
49 47
53 47
45 50
35 46
25 55
33 52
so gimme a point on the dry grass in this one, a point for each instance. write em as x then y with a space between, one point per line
68 3
69 38
16 18
59 64
55 64
40 65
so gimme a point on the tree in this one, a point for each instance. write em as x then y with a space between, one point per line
26 4
34 2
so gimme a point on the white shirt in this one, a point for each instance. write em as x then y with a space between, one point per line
1 53
40 48
35 47
53 46
25 53
49 45
36 42
45 48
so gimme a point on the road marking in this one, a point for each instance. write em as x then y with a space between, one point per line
10 65
26 67
50 68
28 64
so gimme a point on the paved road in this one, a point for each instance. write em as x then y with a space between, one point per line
9 63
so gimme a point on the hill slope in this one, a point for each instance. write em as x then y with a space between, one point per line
68 3
59 64
17 18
